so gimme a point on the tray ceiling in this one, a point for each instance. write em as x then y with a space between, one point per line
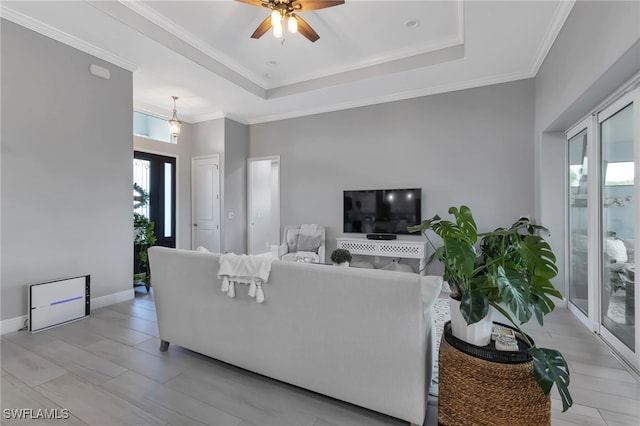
368 52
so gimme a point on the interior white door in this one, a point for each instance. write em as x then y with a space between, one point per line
205 202
263 204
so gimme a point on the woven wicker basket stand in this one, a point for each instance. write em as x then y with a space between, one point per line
480 392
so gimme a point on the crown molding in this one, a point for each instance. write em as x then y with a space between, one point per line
154 111
470 84
195 42
209 116
406 64
186 118
237 118
156 31
367 66
65 38
189 38
553 30
380 62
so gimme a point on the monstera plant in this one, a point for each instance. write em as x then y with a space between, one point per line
508 269
144 236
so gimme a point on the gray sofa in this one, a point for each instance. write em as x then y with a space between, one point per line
361 336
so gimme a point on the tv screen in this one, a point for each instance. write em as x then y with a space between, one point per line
381 210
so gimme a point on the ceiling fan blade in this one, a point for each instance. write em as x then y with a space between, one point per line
304 5
252 2
305 29
262 28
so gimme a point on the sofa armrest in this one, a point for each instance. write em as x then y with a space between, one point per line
431 287
283 249
321 253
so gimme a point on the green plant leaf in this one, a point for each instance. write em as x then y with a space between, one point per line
549 367
540 289
474 306
466 223
448 230
461 255
514 292
425 225
539 257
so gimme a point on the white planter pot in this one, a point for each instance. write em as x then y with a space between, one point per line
478 334
341 264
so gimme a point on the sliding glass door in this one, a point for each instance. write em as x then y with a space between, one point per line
618 223
603 224
578 219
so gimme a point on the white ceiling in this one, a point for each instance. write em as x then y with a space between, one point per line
201 51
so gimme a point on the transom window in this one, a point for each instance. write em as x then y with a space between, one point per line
148 126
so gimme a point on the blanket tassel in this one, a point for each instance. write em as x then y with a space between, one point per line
259 294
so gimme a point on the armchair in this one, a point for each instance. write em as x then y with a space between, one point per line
305 243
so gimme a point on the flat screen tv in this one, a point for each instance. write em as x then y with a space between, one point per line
381 210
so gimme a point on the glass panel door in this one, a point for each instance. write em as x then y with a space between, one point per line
156 175
578 221
618 223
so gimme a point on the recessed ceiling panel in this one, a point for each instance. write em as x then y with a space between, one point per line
353 35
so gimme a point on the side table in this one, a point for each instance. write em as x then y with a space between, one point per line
486 387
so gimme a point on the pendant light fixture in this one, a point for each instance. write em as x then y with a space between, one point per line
174 123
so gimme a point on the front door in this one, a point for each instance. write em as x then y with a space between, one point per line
156 174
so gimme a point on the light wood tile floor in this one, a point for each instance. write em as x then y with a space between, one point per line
107 370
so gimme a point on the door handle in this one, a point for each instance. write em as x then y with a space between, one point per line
195 224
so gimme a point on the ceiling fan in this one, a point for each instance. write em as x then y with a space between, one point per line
282 10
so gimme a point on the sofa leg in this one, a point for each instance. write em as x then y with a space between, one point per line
164 345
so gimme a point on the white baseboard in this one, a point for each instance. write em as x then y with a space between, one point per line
12 324
15 324
110 299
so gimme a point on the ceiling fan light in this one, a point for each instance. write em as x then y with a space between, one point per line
276 17
277 30
292 24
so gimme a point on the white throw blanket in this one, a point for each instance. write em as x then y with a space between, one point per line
245 269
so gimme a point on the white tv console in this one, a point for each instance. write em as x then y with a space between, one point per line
407 249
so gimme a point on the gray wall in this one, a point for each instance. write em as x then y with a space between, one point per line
596 51
236 152
471 147
66 169
207 138
594 37
230 140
